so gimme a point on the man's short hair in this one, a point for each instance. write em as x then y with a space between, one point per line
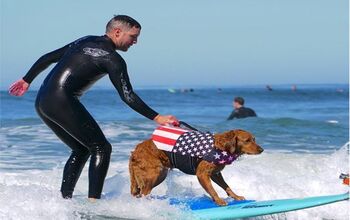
239 100
119 20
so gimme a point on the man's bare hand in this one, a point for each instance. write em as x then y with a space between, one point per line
166 120
18 88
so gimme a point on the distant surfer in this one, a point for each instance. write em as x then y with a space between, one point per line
79 65
240 111
269 88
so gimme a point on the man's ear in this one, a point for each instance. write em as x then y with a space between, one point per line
117 32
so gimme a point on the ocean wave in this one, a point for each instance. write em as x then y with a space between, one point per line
271 175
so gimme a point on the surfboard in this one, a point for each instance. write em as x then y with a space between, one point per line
205 208
172 90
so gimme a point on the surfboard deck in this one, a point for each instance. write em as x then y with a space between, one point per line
205 208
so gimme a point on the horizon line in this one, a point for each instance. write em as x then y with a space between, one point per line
278 85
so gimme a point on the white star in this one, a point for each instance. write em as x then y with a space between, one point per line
200 147
211 141
177 144
180 148
217 156
186 147
204 142
196 139
183 142
197 153
207 146
198 143
181 138
192 155
195 149
202 138
187 137
224 153
174 150
192 145
189 151
203 152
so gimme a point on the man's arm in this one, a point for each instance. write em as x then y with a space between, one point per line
232 116
43 62
21 86
254 114
120 79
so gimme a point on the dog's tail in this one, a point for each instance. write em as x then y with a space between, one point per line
134 188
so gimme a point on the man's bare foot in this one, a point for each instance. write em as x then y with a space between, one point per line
92 200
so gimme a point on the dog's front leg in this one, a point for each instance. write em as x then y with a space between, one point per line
219 179
203 173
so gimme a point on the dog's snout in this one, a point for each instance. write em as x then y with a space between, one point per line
260 149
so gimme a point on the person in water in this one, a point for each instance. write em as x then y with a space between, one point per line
79 65
240 111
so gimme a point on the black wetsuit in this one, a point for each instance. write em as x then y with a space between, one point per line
242 112
80 64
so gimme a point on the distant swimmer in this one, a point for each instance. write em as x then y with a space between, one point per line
240 111
187 90
79 65
294 88
268 87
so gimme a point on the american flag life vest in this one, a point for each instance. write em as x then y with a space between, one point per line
191 143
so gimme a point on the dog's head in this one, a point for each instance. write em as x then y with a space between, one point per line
237 141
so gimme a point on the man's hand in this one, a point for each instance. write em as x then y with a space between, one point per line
18 88
166 120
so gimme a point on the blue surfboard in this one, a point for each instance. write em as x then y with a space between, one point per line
205 208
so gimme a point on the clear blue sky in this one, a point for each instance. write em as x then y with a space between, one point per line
189 43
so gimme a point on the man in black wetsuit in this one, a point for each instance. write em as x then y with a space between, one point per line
239 110
79 65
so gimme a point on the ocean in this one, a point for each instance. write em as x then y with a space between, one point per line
305 134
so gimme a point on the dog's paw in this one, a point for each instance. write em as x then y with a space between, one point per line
220 202
239 198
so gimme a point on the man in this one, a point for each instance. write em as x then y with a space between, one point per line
79 65
239 110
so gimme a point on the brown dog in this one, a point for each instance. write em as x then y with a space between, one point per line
149 166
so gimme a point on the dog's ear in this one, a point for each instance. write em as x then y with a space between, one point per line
226 141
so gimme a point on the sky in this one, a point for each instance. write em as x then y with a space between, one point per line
190 43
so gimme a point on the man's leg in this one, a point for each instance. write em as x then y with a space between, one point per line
80 125
75 164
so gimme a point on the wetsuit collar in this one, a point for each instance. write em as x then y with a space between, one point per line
109 40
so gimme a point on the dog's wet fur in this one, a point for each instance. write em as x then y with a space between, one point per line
149 166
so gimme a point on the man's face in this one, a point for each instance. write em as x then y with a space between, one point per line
126 37
236 105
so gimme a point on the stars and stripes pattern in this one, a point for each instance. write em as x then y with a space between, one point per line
194 144
191 143
165 137
220 157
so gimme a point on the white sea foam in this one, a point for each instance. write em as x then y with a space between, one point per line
34 194
333 121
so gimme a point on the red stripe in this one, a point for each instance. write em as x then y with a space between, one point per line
163 140
170 130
